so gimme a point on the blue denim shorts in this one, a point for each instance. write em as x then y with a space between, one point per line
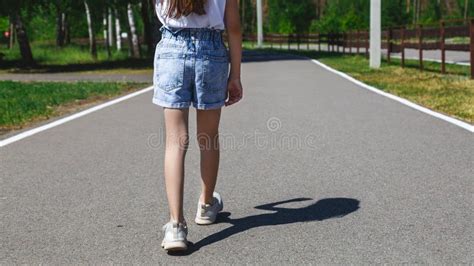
190 66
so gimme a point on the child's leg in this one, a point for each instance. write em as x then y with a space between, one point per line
208 139
177 141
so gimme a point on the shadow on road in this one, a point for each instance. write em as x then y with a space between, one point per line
319 211
16 67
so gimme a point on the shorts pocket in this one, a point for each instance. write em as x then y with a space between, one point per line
169 73
215 73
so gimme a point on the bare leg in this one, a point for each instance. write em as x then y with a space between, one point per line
208 139
177 141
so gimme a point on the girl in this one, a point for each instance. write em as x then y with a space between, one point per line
192 67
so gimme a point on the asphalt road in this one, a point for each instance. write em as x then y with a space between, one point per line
126 76
452 57
314 170
456 57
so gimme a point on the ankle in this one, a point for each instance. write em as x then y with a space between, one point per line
179 221
205 200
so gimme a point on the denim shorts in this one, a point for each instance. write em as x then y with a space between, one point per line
190 66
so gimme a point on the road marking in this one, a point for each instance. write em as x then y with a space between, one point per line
406 102
69 118
58 122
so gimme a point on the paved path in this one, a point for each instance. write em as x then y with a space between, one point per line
452 57
314 170
456 57
124 75
79 76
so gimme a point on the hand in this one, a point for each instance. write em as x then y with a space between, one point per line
234 90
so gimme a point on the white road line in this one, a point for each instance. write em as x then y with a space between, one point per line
406 102
128 96
69 118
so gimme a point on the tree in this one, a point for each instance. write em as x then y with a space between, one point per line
118 30
92 40
466 4
343 15
247 15
133 32
290 16
392 13
145 14
105 22
12 9
62 28
432 12
110 25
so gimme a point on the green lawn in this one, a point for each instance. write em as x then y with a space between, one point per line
49 54
452 94
449 94
73 57
23 103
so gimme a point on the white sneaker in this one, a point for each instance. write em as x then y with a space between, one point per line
175 236
207 213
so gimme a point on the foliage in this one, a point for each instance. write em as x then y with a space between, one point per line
343 15
290 16
46 53
393 13
41 17
347 15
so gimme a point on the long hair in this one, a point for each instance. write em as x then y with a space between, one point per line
179 8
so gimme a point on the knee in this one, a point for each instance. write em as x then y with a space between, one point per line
178 141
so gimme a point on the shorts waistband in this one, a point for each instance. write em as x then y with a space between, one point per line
203 34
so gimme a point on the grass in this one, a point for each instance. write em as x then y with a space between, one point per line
48 54
73 57
22 104
451 94
458 40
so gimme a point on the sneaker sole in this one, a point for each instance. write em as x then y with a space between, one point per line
200 221
175 246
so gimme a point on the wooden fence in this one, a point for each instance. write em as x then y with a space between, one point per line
395 40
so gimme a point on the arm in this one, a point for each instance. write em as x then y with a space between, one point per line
232 22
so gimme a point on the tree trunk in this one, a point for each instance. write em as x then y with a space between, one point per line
11 43
133 32
147 26
441 9
67 30
320 9
60 18
418 13
106 35
130 42
23 42
155 29
466 4
118 31
415 8
110 23
92 41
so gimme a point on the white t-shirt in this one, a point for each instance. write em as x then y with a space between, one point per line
213 19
